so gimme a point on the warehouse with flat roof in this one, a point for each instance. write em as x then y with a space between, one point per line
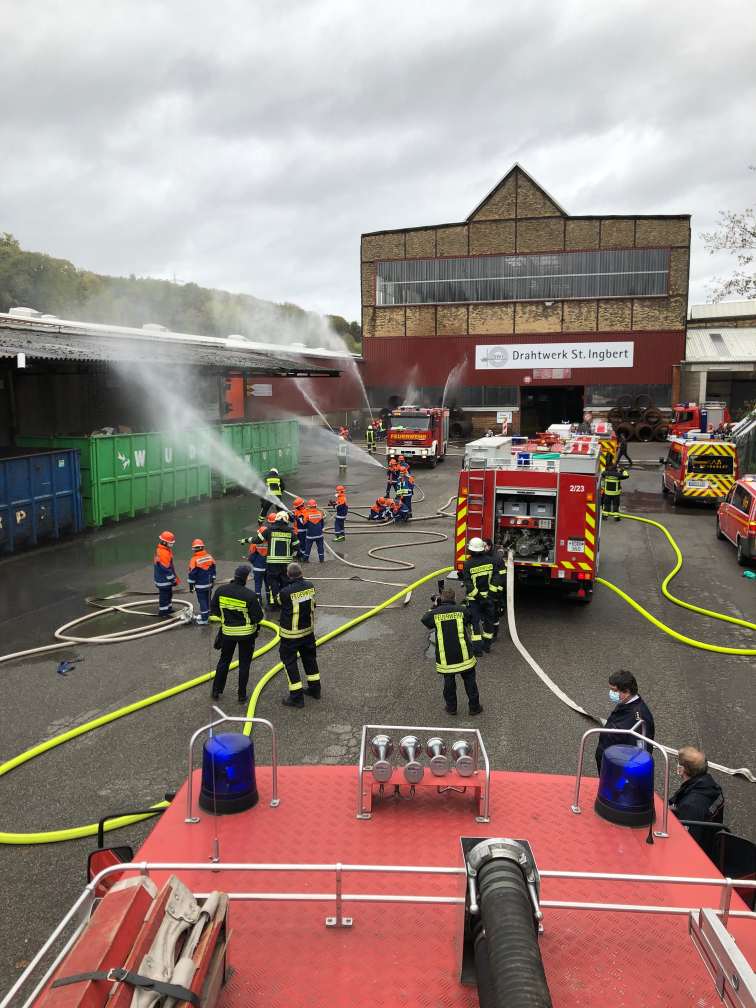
545 314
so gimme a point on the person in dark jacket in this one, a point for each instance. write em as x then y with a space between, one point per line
629 711
452 626
699 798
297 630
622 452
239 613
477 575
283 546
611 489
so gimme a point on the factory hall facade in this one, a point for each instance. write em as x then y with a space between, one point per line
541 313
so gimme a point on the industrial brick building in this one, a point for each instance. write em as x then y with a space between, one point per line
550 313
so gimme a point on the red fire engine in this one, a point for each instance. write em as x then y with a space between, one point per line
538 499
419 433
689 416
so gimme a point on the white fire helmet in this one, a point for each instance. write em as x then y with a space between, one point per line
476 545
282 516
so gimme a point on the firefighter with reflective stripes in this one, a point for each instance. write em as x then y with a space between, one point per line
314 531
370 438
339 503
392 475
297 630
477 575
201 578
239 613
164 573
452 626
275 486
258 557
281 541
611 489
299 510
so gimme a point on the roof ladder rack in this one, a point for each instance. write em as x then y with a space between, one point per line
476 486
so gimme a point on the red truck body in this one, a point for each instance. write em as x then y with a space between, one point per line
687 416
419 433
544 507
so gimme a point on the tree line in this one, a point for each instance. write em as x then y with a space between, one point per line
56 287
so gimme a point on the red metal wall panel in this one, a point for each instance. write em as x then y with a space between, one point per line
331 394
386 360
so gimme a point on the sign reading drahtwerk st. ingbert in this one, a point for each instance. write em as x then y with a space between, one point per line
519 356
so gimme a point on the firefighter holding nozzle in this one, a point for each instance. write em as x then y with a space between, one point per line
451 624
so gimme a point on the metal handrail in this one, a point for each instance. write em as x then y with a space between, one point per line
275 801
86 899
575 807
479 752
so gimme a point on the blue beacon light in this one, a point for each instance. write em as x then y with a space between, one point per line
626 786
228 774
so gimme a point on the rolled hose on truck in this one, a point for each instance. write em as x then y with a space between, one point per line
507 957
72 833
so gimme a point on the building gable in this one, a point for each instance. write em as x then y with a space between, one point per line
516 195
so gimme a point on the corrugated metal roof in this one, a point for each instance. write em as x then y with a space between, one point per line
59 339
720 345
723 310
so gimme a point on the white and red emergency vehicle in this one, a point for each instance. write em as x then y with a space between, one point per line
541 501
419 433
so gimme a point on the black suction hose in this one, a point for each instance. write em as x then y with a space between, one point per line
515 966
486 993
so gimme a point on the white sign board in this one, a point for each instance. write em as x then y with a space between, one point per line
503 415
259 389
520 356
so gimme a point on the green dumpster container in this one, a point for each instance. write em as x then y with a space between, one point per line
125 474
263 445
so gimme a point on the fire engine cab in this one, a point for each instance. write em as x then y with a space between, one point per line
691 416
539 500
418 433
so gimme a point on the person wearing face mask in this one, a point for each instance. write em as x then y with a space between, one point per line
628 711
699 798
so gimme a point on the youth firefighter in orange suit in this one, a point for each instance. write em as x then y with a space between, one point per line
297 630
314 531
392 476
299 510
165 573
342 510
258 557
201 578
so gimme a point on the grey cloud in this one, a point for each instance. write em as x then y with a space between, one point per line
247 145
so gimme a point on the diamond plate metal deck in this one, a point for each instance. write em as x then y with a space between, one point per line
282 955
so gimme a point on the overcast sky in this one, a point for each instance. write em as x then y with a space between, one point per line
246 145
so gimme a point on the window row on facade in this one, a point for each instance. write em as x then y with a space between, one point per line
545 277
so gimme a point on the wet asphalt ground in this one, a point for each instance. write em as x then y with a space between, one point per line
378 672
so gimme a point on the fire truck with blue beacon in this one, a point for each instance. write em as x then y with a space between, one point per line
539 500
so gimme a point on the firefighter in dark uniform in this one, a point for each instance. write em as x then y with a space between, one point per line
283 546
297 630
629 711
611 489
370 438
477 575
239 613
275 486
454 653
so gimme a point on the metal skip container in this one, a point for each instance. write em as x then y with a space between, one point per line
40 498
124 474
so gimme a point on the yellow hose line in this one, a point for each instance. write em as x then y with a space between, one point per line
265 679
690 641
76 832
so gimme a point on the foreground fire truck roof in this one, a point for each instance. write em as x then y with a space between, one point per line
616 908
